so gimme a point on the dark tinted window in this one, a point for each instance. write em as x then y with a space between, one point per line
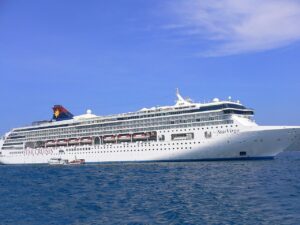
234 111
223 106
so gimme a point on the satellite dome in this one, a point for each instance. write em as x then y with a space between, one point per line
216 100
89 111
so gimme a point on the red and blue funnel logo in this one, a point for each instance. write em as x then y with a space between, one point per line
60 113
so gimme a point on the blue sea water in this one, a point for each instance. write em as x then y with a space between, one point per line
223 192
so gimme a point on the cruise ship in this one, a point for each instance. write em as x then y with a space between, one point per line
186 131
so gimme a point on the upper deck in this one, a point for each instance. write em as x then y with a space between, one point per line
182 107
184 113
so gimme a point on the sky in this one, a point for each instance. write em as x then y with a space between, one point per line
120 56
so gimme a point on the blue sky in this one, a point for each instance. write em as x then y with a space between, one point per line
119 56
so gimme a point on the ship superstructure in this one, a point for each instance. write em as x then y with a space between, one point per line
185 131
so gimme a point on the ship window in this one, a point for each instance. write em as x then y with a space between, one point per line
182 136
243 153
207 134
162 138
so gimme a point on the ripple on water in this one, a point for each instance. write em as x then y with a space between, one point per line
227 192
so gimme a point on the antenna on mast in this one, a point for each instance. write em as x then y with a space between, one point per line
179 97
180 100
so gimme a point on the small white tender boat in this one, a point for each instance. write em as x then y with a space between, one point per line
58 161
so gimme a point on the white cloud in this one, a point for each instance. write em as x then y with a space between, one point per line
239 26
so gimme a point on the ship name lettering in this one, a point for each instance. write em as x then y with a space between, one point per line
34 152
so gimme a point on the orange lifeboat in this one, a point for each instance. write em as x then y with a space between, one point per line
86 140
77 162
109 138
124 137
140 136
73 141
62 142
50 143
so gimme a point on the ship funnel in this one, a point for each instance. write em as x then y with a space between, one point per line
60 113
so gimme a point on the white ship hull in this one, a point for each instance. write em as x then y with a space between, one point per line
253 143
186 131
